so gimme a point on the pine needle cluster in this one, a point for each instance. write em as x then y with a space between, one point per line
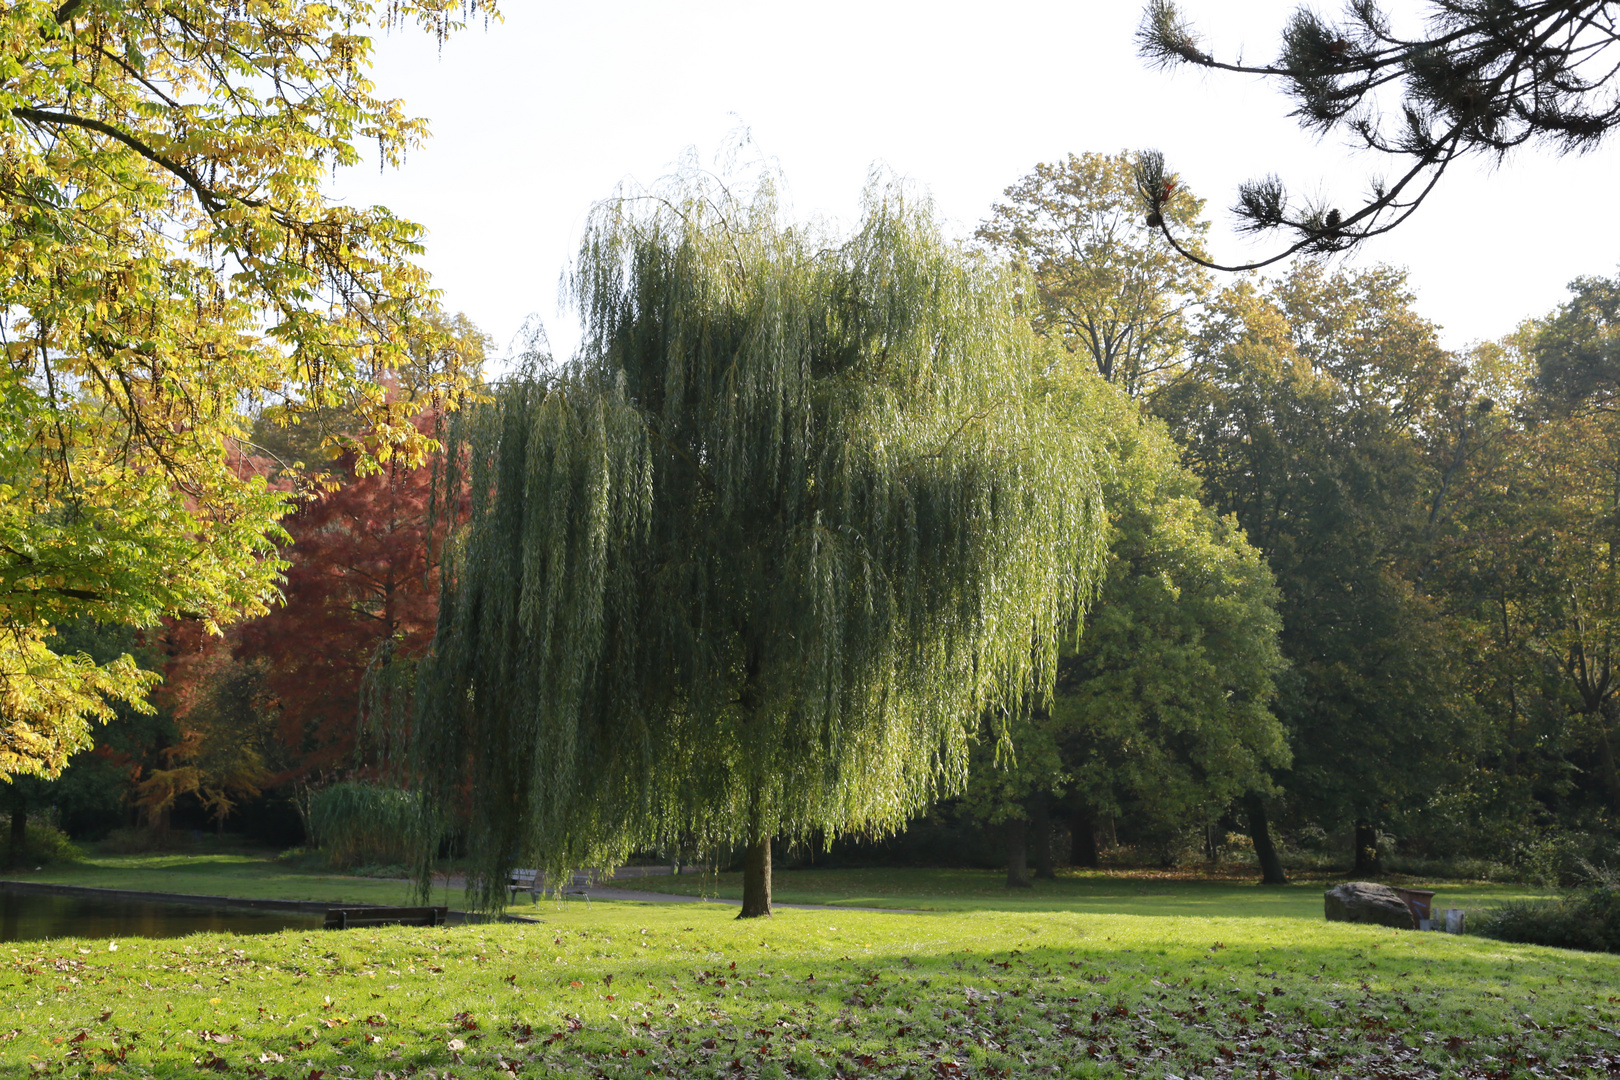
1483 77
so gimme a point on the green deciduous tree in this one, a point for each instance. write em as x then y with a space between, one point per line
756 562
1162 711
1164 705
89 796
1529 577
168 259
1108 286
1308 418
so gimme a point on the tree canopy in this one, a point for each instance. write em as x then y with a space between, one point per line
1108 286
169 263
759 557
1307 417
1165 702
1481 79
1162 709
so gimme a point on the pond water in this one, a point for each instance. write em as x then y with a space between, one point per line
26 917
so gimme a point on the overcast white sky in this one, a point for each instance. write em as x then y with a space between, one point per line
537 117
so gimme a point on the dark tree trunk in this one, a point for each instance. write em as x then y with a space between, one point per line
1040 818
1367 861
1083 839
1018 854
1271 867
19 834
1611 775
757 879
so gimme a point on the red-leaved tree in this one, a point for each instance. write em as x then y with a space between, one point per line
361 600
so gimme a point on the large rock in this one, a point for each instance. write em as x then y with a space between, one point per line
1367 902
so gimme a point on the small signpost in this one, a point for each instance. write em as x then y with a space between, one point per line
1418 901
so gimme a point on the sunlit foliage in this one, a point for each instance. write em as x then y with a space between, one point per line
1107 284
167 259
757 559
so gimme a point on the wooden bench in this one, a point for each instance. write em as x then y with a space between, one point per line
349 918
533 882
522 880
579 884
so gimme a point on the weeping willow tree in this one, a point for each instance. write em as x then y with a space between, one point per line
757 559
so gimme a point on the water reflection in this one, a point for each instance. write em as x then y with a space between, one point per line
25 917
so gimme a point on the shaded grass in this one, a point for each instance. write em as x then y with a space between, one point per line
1133 893
627 990
256 875
259 874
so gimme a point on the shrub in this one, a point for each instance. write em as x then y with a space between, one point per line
1586 918
44 843
357 823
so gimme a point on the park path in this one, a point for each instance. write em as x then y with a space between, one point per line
641 896
637 895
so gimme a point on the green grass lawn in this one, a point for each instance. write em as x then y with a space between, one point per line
237 874
1092 975
631 990
1078 891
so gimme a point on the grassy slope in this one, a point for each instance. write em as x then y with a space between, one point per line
609 990
1079 891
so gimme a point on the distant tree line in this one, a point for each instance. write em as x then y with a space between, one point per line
1440 529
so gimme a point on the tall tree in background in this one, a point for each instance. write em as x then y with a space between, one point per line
1481 78
1016 773
1108 286
1578 376
757 561
1530 578
1306 419
168 256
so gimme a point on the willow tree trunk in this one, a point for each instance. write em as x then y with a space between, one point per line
1040 820
1017 854
1271 867
1367 861
1083 839
757 879
19 834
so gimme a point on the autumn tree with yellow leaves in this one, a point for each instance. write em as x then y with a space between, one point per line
170 268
